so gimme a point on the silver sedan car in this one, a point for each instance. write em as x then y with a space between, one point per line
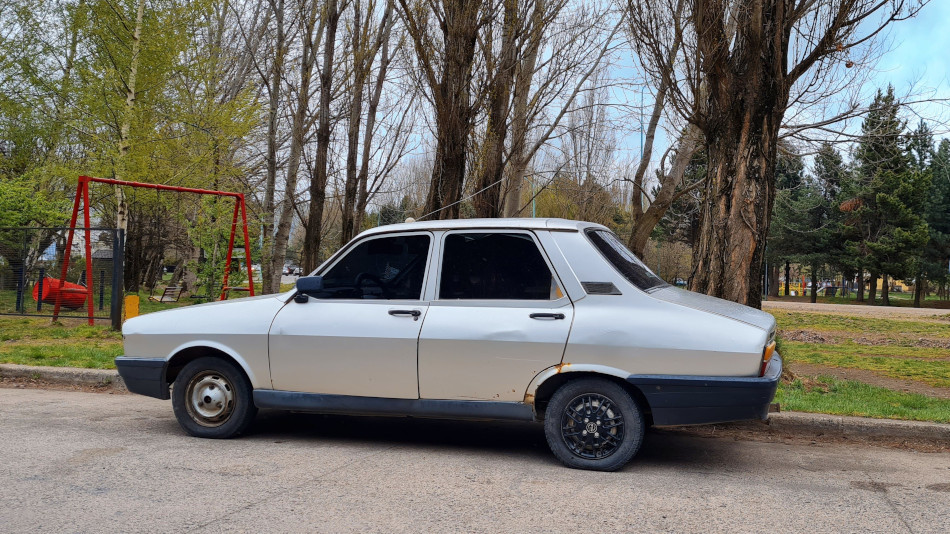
496 319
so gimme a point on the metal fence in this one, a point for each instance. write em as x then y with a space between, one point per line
31 261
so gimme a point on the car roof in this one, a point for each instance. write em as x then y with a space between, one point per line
559 225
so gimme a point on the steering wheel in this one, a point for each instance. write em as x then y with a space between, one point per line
358 281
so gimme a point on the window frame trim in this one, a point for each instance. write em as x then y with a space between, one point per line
436 270
352 245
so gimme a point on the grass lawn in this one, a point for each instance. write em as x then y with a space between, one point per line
848 397
896 300
902 349
927 365
71 343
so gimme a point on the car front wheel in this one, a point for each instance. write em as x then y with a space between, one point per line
592 423
212 398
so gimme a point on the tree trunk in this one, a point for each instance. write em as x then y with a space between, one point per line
363 179
488 184
270 278
860 297
919 289
773 279
872 289
361 62
130 92
298 136
885 291
454 112
740 189
788 276
645 221
318 184
814 283
524 74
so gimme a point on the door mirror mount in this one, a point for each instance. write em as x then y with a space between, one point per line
306 286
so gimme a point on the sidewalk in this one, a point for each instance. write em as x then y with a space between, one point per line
791 423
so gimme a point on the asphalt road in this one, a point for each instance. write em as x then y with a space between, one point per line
89 462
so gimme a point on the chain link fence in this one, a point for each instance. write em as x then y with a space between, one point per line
31 261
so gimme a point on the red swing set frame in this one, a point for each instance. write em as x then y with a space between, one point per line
82 197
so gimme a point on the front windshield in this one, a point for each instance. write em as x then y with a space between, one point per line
624 261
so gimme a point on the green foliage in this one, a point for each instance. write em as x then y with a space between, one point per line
65 110
22 203
900 201
935 260
887 195
804 225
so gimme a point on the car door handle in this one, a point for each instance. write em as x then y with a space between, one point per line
411 313
546 316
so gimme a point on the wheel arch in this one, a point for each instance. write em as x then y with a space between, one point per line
548 381
184 355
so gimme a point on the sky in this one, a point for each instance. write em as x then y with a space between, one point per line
921 52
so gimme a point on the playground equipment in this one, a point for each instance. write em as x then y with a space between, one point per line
53 291
82 198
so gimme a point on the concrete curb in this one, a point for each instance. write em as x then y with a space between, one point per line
68 376
796 423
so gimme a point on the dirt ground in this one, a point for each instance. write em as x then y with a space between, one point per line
886 312
871 378
35 383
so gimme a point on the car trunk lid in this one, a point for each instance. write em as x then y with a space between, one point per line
725 308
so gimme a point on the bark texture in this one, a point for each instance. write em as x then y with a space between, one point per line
488 184
747 93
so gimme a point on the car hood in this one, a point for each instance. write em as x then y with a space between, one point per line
725 308
228 302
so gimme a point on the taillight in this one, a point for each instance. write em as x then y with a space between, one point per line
766 356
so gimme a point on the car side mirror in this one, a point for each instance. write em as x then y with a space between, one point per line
307 285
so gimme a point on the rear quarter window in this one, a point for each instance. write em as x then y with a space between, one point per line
625 261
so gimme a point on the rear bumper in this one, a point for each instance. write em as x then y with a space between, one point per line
694 400
145 376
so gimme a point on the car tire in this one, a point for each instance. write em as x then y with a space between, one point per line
212 398
593 423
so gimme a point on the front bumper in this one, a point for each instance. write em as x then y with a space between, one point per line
694 400
145 376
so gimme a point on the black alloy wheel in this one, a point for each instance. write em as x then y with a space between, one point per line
593 423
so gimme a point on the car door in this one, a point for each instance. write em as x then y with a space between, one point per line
360 335
498 319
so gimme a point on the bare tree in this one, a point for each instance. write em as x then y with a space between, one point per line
488 181
273 80
318 182
366 44
563 48
447 68
740 65
312 28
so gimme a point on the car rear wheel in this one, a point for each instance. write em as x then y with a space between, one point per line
592 423
212 399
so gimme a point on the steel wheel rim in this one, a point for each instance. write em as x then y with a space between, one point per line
592 426
209 398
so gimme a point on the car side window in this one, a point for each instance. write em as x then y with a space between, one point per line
381 268
495 266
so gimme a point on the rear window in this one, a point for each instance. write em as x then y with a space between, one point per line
624 261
